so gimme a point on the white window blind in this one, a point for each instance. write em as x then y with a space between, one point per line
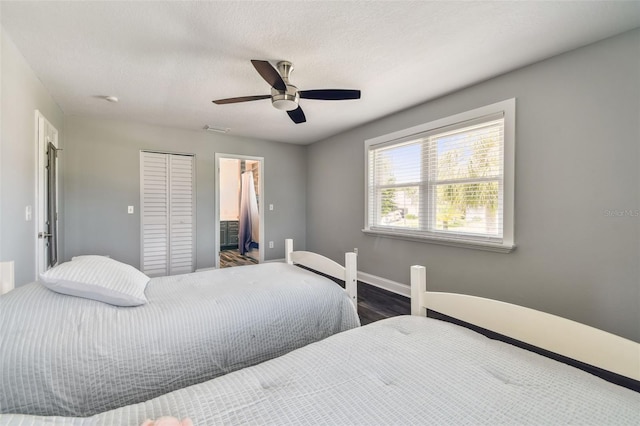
444 182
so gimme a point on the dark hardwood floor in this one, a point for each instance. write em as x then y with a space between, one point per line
375 303
232 257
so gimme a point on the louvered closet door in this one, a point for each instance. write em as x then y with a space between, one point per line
181 214
154 213
167 213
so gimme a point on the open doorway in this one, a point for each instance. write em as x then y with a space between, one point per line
239 213
46 208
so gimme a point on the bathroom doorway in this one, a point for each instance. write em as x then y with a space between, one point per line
239 213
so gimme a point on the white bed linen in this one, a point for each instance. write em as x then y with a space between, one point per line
64 355
400 371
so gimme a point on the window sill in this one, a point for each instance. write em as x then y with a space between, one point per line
478 245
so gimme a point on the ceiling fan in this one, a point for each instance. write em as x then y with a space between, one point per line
284 95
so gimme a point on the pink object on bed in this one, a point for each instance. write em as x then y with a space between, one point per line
167 421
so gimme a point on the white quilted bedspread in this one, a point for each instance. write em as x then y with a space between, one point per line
400 371
64 355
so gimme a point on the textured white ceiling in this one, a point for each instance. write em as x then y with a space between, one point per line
167 61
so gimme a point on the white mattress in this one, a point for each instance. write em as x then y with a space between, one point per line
404 371
64 355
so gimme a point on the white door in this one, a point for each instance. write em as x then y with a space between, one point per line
167 213
46 208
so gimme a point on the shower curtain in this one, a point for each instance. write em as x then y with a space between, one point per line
249 230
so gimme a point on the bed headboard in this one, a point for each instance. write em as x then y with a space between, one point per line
552 333
7 282
347 273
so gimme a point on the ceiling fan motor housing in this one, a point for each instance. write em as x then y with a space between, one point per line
286 100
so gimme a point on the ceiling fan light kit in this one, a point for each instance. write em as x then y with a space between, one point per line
284 95
285 101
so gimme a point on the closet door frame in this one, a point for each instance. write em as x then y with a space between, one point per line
260 160
194 206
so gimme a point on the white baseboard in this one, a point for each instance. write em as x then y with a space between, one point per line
275 260
383 283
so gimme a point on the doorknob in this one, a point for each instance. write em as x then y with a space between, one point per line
43 235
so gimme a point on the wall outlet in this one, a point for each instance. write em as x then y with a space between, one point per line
270 206
270 244
130 209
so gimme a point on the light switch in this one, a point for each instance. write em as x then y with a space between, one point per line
130 209
270 206
28 213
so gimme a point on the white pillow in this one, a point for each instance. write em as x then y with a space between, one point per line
99 278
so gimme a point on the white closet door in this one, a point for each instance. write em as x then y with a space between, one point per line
167 213
154 213
181 213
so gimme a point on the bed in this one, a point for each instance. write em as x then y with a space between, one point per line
412 370
63 355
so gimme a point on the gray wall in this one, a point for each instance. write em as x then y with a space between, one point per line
102 177
22 94
577 156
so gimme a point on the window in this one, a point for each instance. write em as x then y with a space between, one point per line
449 181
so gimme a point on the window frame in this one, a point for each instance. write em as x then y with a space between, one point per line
507 244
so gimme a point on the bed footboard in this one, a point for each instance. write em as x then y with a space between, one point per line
549 332
347 273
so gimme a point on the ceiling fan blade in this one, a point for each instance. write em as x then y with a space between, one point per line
330 94
240 99
270 74
297 116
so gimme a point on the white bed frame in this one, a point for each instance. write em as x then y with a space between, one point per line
549 332
347 273
7 281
